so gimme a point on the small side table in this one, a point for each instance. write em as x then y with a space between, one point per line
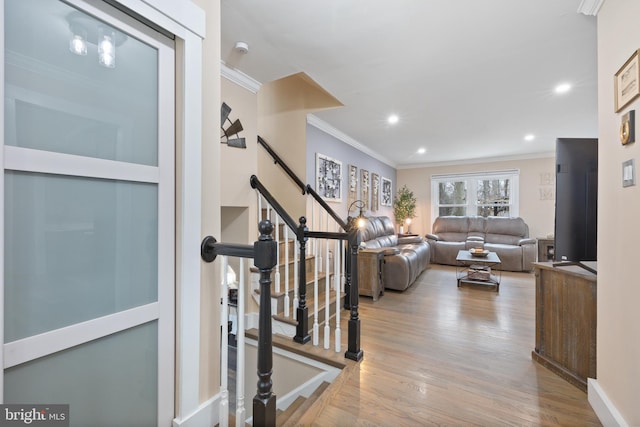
546 249
370 272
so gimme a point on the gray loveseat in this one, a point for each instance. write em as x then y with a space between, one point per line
507 237
407 257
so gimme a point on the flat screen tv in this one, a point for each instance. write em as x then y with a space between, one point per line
576 215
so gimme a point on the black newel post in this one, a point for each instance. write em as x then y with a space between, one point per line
302 312
265 258
354 352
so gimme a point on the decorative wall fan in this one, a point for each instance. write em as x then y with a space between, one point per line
233 129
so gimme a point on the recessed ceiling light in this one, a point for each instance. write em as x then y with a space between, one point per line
529 137
422 150
393 119
562 88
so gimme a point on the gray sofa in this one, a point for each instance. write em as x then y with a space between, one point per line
507 237
407 257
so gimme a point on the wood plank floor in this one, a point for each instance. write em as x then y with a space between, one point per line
439 355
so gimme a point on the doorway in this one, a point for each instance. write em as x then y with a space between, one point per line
88 193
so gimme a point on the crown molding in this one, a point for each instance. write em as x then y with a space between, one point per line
327 128
541 155
239 78
590 7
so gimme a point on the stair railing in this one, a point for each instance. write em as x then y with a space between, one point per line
263 252
349 277
303 234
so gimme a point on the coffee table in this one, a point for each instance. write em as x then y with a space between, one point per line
477 269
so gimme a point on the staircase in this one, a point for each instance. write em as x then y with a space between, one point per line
284 321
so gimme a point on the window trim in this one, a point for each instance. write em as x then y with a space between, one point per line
470 178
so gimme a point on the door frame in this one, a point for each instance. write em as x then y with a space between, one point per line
186 22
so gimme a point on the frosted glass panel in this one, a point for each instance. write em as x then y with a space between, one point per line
59 101
76 249
107 382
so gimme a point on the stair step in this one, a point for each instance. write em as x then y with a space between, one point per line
329 357
283 416
293 418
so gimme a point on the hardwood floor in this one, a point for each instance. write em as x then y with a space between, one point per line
439 355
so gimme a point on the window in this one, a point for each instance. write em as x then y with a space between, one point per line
483 194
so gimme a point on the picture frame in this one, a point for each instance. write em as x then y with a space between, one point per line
386 193
353 185
364 188
328 178
375 191
627 82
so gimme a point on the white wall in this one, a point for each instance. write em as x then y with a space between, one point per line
537 211
618 337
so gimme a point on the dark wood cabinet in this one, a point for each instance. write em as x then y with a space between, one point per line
566 304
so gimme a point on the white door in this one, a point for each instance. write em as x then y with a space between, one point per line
88 194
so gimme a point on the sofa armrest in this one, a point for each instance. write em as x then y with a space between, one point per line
432 236
409 239
527 241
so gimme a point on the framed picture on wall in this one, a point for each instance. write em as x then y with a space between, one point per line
386 196
328 178
353 184
627 82
364 188
375 189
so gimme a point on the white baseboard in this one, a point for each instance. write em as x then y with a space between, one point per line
206 415
602 406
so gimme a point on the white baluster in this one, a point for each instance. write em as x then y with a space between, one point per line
312 242
224 348
315 302
240 409
343 257
259 205
338 294
276 276
318 241
336 263
327 289
327 294
286 271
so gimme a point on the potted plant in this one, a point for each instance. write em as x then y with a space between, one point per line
404 206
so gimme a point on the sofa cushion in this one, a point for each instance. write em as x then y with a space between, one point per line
477 226
445 252
506 231
510 256
451 224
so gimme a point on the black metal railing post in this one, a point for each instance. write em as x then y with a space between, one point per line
265 259
354 352
302 312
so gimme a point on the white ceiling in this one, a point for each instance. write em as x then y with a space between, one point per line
468 78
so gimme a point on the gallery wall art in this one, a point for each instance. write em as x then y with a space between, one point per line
328 178
386 195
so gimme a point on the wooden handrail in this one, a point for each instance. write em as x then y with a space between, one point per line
327 208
